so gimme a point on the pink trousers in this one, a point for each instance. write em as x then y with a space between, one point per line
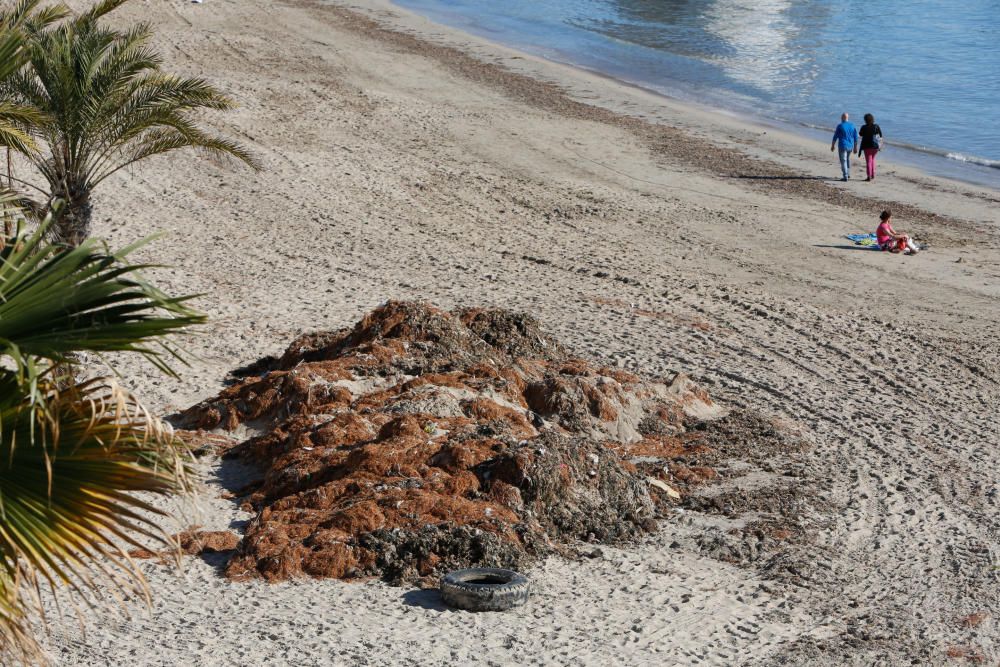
870 161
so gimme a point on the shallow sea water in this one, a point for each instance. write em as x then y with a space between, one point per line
929 71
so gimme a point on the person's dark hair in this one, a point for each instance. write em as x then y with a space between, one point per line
886 214
869 118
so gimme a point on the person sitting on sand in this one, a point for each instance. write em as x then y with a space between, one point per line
889 239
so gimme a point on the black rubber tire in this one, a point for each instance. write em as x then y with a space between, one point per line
501 590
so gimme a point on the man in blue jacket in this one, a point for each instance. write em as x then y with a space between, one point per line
845 137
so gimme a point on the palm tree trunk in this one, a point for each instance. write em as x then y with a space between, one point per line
72 224
8 217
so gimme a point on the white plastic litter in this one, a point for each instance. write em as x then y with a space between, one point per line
662 486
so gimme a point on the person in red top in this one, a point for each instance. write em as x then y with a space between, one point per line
889 239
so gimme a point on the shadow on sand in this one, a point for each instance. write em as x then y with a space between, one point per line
237 476
429 598
217 559
850 247
786 178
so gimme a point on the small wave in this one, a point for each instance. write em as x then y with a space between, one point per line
951 155
972 159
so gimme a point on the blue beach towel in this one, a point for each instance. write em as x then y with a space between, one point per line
863 239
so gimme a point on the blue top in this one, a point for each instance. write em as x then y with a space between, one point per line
847 135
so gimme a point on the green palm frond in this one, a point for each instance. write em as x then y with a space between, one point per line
74 454
29 15
14 118
15 210
57 300
70 466
100 9
11 46
151 118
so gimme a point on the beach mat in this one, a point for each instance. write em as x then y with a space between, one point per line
868 240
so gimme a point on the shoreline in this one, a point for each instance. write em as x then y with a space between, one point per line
937 162
797 153
922 160
722 143
406 161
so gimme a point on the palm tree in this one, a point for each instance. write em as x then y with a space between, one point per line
101 103
74 452
16 118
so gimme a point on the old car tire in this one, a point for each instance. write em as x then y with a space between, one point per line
484 589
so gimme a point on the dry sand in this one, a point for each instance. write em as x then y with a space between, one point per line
400 166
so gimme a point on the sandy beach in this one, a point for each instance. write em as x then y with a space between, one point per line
404 160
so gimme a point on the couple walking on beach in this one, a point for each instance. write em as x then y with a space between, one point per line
847 139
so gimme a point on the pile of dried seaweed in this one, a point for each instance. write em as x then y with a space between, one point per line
422 440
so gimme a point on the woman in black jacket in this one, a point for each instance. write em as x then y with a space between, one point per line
871 143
